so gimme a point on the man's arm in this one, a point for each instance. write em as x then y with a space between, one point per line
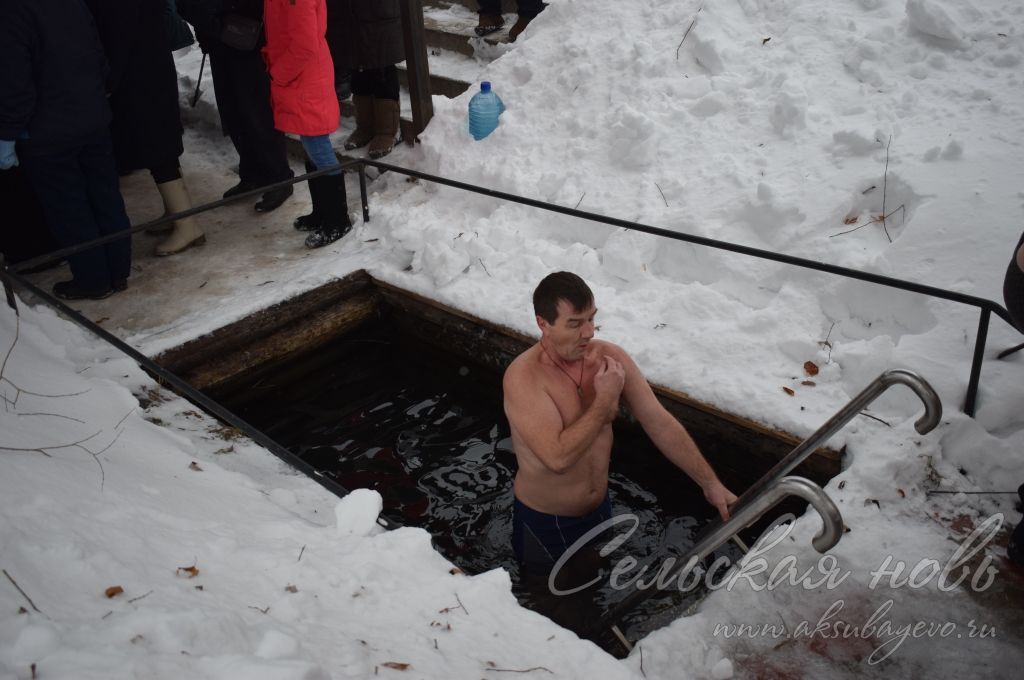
669 435
536 419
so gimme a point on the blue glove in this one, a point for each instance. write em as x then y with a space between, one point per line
8 158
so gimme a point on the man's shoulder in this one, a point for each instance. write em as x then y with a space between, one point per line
603 347
522 364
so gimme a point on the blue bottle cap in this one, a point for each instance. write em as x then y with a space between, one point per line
485 86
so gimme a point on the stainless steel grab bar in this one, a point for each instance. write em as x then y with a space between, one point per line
831 532
897 376
766 492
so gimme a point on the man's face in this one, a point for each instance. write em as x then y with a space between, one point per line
571 332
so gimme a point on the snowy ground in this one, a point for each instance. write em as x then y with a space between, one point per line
775 124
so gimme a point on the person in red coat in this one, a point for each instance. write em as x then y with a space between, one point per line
304 103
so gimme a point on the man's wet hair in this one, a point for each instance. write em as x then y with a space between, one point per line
561 286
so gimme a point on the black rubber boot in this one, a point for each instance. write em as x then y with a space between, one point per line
333 208
313 219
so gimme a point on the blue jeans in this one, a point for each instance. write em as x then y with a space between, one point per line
320 152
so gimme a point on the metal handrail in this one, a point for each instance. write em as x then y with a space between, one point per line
898 376
166 378
767 491
986 307
168 218
770 496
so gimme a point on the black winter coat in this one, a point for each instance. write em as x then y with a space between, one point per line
143 84
364 33
205 17
52 72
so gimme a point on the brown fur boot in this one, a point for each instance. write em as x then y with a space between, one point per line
364 122
385 125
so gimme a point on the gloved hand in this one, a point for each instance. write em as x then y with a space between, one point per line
8 157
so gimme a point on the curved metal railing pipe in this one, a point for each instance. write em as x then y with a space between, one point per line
897 376
720 532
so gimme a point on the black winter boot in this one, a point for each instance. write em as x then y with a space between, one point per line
313 219
489 23
335 222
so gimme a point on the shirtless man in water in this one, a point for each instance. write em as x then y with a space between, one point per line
561 397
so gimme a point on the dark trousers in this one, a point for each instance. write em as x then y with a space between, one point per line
242 88
78 188
381 83
527 8
166 172
25 234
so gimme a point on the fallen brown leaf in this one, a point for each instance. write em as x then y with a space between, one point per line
809 383
113 591
902 493
397 665
850 220
788 391
811 368
189 572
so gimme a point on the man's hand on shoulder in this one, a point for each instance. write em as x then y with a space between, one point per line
720 497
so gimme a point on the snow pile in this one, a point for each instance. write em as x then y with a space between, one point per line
229 565
882 135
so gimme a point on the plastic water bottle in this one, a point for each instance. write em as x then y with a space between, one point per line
484 109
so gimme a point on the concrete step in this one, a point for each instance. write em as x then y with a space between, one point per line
457 56
507 6
451 28
439 84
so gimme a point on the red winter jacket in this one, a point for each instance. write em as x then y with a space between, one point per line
301 71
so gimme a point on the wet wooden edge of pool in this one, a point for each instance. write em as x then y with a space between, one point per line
217 362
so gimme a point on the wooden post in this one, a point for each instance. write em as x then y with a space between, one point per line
416 65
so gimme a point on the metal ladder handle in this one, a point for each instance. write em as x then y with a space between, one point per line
897 376
826 538
831 519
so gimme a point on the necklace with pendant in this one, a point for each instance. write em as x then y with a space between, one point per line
579 385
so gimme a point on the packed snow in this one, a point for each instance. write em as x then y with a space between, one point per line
786 125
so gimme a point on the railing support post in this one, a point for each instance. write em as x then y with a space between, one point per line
362 193
12 302
416 65
970 402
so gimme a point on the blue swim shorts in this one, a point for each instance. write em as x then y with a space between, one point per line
539 539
